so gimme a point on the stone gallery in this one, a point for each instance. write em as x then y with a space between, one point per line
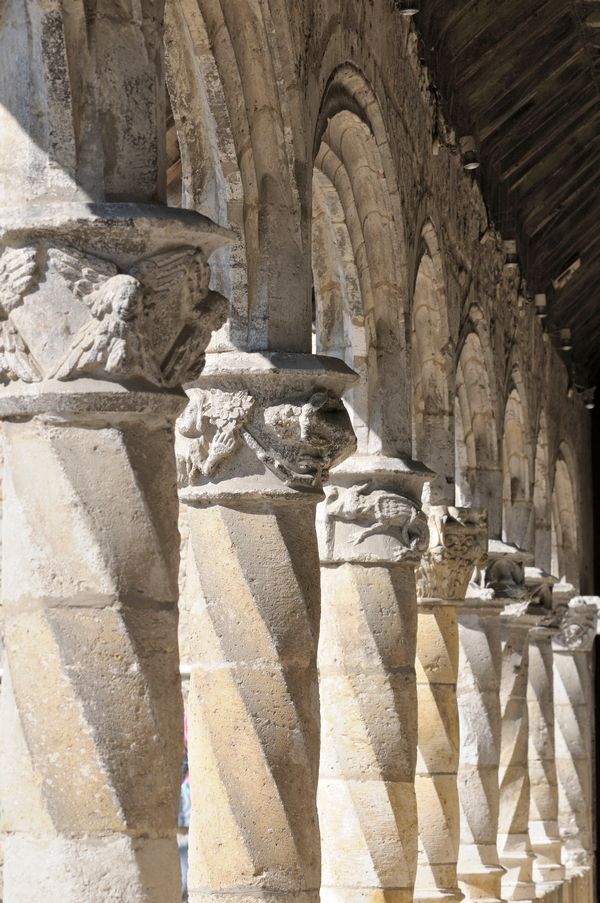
299 331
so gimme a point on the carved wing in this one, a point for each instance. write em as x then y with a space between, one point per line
16 361
83 273
108 340
186 358
17 272
165 272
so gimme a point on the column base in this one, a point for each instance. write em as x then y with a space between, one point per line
438 896
365 895
206 896
91 869
483 884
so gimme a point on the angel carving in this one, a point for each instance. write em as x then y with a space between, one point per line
111 342
18 268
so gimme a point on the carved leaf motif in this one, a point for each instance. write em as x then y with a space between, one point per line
167 272
211 424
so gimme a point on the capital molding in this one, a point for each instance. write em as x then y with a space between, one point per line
115 294
263 423
457 544
372 513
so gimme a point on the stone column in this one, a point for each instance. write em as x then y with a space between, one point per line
255 442
505 574
457 542
371 533
574 717
548 873
104 311
478 692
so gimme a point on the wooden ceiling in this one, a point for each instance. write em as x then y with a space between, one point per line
523 77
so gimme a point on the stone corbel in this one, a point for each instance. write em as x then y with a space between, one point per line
372 513
275 417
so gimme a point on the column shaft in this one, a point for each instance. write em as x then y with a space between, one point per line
370 531
573 712
254 703
543 818
457 543
91 705
513 836
478 691
254 443
366 797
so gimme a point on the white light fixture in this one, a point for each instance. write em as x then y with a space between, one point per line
588 397
565 339
540 306
468 152
407 7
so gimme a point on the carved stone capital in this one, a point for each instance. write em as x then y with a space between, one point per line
258 423
371 512
577 625
113 294
458 542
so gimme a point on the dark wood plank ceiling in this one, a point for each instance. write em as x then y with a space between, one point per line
523 77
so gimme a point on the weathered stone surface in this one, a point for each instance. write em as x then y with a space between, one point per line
370 528
457 543
478 696
258 429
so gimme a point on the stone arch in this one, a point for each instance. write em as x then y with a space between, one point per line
477 469
516 471
542 498
359 262
431 359
564 532
222 66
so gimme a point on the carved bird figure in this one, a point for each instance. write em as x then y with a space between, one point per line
18 267
382 511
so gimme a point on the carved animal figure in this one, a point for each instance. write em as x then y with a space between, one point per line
383 511
18 267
